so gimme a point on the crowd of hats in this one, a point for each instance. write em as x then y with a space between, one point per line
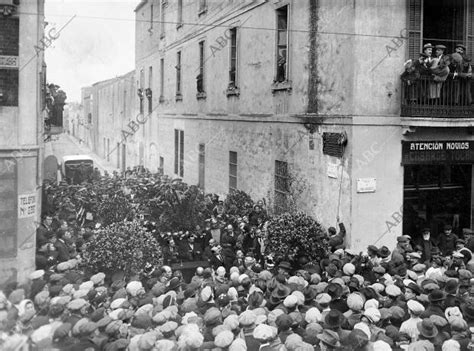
343 308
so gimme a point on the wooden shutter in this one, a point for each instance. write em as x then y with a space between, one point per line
414 27
470 28
176 151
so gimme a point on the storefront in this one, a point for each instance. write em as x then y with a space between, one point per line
437 185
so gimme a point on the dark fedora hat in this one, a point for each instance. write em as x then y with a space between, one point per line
173 284
384 252
468 312
255 299
415 288
309 294
436 295
333 319
462 46
280 292
334 290
427 328
451 286
330 338
357 338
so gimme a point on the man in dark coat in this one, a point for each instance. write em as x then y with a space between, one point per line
61 247
426 245
216 260
228 243
336 240
447 241
190 250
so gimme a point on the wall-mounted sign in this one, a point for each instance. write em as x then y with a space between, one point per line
26 206
9 61
366 185
332 170
435 152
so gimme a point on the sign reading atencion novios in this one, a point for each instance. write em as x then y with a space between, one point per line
433 152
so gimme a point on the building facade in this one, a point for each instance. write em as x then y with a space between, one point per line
301 103
22 96
108 114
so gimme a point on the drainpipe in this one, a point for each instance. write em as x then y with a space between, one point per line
313 81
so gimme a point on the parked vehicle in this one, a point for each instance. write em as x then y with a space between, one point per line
76 169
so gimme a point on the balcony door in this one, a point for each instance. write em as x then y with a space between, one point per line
445 22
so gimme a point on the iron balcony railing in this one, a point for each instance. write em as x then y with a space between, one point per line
425 97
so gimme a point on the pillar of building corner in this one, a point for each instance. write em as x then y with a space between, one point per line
21 144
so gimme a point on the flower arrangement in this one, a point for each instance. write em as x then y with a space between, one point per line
238 203
124 246
294 236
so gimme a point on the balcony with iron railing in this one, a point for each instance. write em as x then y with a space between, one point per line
425 97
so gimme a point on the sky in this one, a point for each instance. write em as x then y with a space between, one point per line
97 44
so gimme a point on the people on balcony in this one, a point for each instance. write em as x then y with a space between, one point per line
462 73
428 51
440 70
414 70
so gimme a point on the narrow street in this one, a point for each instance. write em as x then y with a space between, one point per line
65 144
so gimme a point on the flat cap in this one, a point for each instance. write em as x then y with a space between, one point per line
76 304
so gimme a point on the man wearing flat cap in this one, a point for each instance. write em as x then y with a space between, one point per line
440 71
403 247
462 74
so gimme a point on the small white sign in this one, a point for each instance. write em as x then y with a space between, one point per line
366 185
26 206
332 170
9 61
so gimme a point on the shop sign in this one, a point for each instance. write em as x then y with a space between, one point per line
9 61
434 152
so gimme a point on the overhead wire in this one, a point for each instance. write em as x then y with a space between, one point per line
368 35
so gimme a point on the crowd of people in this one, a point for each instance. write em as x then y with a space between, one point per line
418 295
428 74
222 242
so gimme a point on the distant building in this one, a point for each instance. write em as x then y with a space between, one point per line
22 103
108 109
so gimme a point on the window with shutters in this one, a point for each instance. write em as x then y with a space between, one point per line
200 79
162 80
179 96
440 22
282 186
202 165
9 72
282 53
232 170
179 152
179 23
164 3
161 170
